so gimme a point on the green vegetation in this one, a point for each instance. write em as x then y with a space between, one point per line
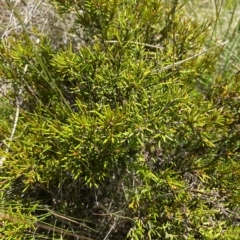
133 132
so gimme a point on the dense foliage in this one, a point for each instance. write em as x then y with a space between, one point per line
130 136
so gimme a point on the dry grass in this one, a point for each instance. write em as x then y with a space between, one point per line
37 16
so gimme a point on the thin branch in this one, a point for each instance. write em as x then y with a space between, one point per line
60 231
111 229
188 59
19 101
139 43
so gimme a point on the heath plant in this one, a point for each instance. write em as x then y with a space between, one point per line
129 134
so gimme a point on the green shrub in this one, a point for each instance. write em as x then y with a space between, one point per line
132 136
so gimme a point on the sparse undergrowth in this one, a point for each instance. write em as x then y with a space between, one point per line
132 134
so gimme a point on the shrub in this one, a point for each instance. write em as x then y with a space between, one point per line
131 136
